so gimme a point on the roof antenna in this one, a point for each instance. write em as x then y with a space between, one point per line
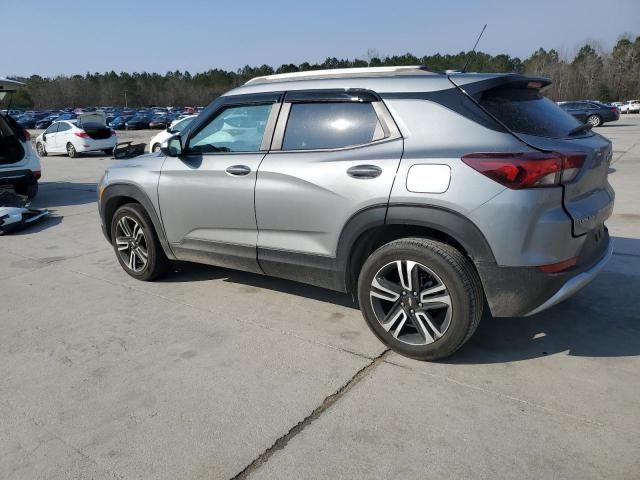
473 50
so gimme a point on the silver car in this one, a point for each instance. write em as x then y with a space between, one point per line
428 196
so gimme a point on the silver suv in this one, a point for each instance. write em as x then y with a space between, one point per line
425 195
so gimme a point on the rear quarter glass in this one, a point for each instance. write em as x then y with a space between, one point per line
526 110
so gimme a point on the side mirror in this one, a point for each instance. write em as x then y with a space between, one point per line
172 147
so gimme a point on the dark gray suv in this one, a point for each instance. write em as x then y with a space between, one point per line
425 195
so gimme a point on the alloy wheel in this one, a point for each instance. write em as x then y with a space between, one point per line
411 302
132 244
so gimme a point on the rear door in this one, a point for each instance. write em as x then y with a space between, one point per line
540 123
334 154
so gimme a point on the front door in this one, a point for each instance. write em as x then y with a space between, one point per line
206 195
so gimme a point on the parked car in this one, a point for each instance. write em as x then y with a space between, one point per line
389 183
88 133
138 122
118 123
43 124
592 112
176 127
630 106
19 164
159 122
27 121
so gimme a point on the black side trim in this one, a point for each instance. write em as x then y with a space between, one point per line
301 267
110 198
447 221
332 95
229 255
453 99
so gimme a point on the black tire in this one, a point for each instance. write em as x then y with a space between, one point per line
594 120
30 190
71 151
458 276
42 152
157 262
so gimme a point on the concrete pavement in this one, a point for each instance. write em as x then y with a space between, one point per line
211 373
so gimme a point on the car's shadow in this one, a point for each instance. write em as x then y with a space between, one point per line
62 194
600 321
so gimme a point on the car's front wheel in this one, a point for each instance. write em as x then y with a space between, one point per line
71 150
136 243
420 297
594 120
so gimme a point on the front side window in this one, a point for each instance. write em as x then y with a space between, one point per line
329 125
53 128
235 129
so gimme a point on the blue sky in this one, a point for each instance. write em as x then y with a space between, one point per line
64 37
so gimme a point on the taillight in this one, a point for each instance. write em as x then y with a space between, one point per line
37 174
614 110
81 134
27 135
527 169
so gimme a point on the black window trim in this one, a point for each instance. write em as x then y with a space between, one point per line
390 130
223 103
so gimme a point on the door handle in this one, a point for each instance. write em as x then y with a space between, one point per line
238 170
364 171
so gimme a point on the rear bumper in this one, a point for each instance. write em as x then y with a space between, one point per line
17 177
523 291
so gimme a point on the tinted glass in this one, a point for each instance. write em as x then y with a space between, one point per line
329 125
236 129
64 127
53 128
525 110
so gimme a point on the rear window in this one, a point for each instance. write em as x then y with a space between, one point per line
526 110
314 126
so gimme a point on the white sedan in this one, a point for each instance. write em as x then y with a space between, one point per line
88 133
176 127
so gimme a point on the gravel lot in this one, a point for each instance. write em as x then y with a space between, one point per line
211 373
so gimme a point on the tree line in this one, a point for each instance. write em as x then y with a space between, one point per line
591 74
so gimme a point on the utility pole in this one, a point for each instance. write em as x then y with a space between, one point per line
125 99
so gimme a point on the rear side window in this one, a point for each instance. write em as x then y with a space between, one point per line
525 110
64 127
313 126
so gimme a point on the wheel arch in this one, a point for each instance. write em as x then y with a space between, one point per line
116 195
371 228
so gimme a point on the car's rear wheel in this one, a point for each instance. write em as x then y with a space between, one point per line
71 150
42 152
136 243
420 297
594 120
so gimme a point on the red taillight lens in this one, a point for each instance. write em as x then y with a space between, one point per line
81 134
526 169
558 267
27 135
614 110
37 174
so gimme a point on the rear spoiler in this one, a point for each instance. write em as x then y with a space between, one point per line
474 84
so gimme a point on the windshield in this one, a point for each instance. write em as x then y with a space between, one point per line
526 110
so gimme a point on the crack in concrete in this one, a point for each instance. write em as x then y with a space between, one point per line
330 400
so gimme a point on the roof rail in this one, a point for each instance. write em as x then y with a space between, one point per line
339 72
